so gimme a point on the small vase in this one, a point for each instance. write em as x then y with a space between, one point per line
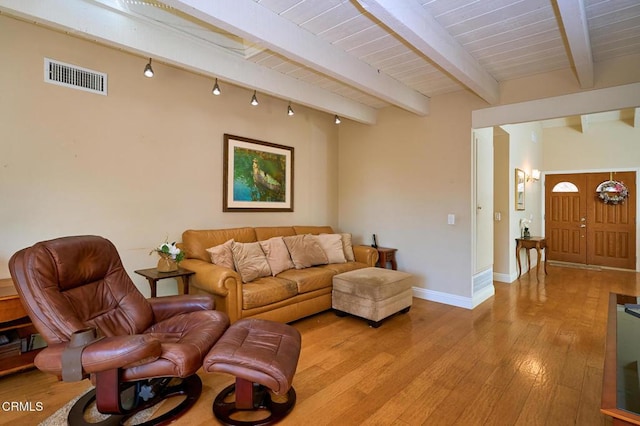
166 264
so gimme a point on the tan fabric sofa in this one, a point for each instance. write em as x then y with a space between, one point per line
290 295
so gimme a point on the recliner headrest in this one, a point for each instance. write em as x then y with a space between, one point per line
76 261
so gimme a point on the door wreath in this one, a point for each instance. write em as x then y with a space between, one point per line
612 192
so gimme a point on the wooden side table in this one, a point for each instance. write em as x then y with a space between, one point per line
153 276
387 255
538 243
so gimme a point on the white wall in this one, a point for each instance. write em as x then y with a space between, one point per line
401 178
502 186
608 144
143 163
483 206
482 216
525 153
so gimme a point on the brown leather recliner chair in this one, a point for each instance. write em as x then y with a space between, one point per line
74 286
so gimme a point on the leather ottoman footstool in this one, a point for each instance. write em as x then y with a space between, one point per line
263 356
372 293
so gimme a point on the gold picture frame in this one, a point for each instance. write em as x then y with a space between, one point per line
257 176
520 183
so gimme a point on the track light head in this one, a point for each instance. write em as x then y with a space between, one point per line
290 110
216 89
148 71
254 99
337 119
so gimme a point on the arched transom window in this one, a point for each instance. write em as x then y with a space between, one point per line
564 187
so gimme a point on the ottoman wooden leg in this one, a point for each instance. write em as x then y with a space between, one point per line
252 404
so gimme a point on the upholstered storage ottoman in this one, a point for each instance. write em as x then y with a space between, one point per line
372 293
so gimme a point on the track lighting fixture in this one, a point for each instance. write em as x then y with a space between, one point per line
216 89
337 119
148 71
254 99
290 110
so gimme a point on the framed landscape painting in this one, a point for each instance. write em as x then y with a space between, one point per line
258 176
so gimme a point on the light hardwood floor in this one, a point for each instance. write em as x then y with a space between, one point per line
532 355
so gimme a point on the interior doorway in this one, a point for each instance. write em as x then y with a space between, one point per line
581 228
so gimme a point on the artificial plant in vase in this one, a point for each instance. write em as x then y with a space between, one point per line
170 257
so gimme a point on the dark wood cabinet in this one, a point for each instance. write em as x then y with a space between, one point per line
14 323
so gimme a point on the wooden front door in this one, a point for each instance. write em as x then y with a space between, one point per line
580 228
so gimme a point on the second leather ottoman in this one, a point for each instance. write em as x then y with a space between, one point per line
372 293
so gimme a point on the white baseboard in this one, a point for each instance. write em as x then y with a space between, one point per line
452 299
502 278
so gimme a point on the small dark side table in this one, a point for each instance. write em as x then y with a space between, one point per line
153 276
387 255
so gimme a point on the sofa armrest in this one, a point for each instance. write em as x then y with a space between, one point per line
105 354
209 277
224 283
366 254
168 306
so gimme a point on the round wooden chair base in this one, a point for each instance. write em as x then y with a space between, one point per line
224 407
190 387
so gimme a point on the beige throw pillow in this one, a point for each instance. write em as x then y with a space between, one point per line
332 246
305 251
221 255
250 261
277 255
348 248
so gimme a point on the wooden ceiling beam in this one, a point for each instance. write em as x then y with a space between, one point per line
574 20
256 23
416 26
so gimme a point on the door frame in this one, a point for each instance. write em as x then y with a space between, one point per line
543 178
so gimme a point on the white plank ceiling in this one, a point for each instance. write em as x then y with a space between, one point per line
353 57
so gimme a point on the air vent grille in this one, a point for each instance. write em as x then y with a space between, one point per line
56 72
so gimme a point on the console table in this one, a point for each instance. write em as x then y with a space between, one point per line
538 243
620 386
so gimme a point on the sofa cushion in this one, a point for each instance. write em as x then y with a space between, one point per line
277 255
265 232
222 255
196 242
267 290
339 268
309 279
347 246
332 246
305 251
314 230
250 261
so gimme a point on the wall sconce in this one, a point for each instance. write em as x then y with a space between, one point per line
254 99
336 119
148 71
290 110
534 176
